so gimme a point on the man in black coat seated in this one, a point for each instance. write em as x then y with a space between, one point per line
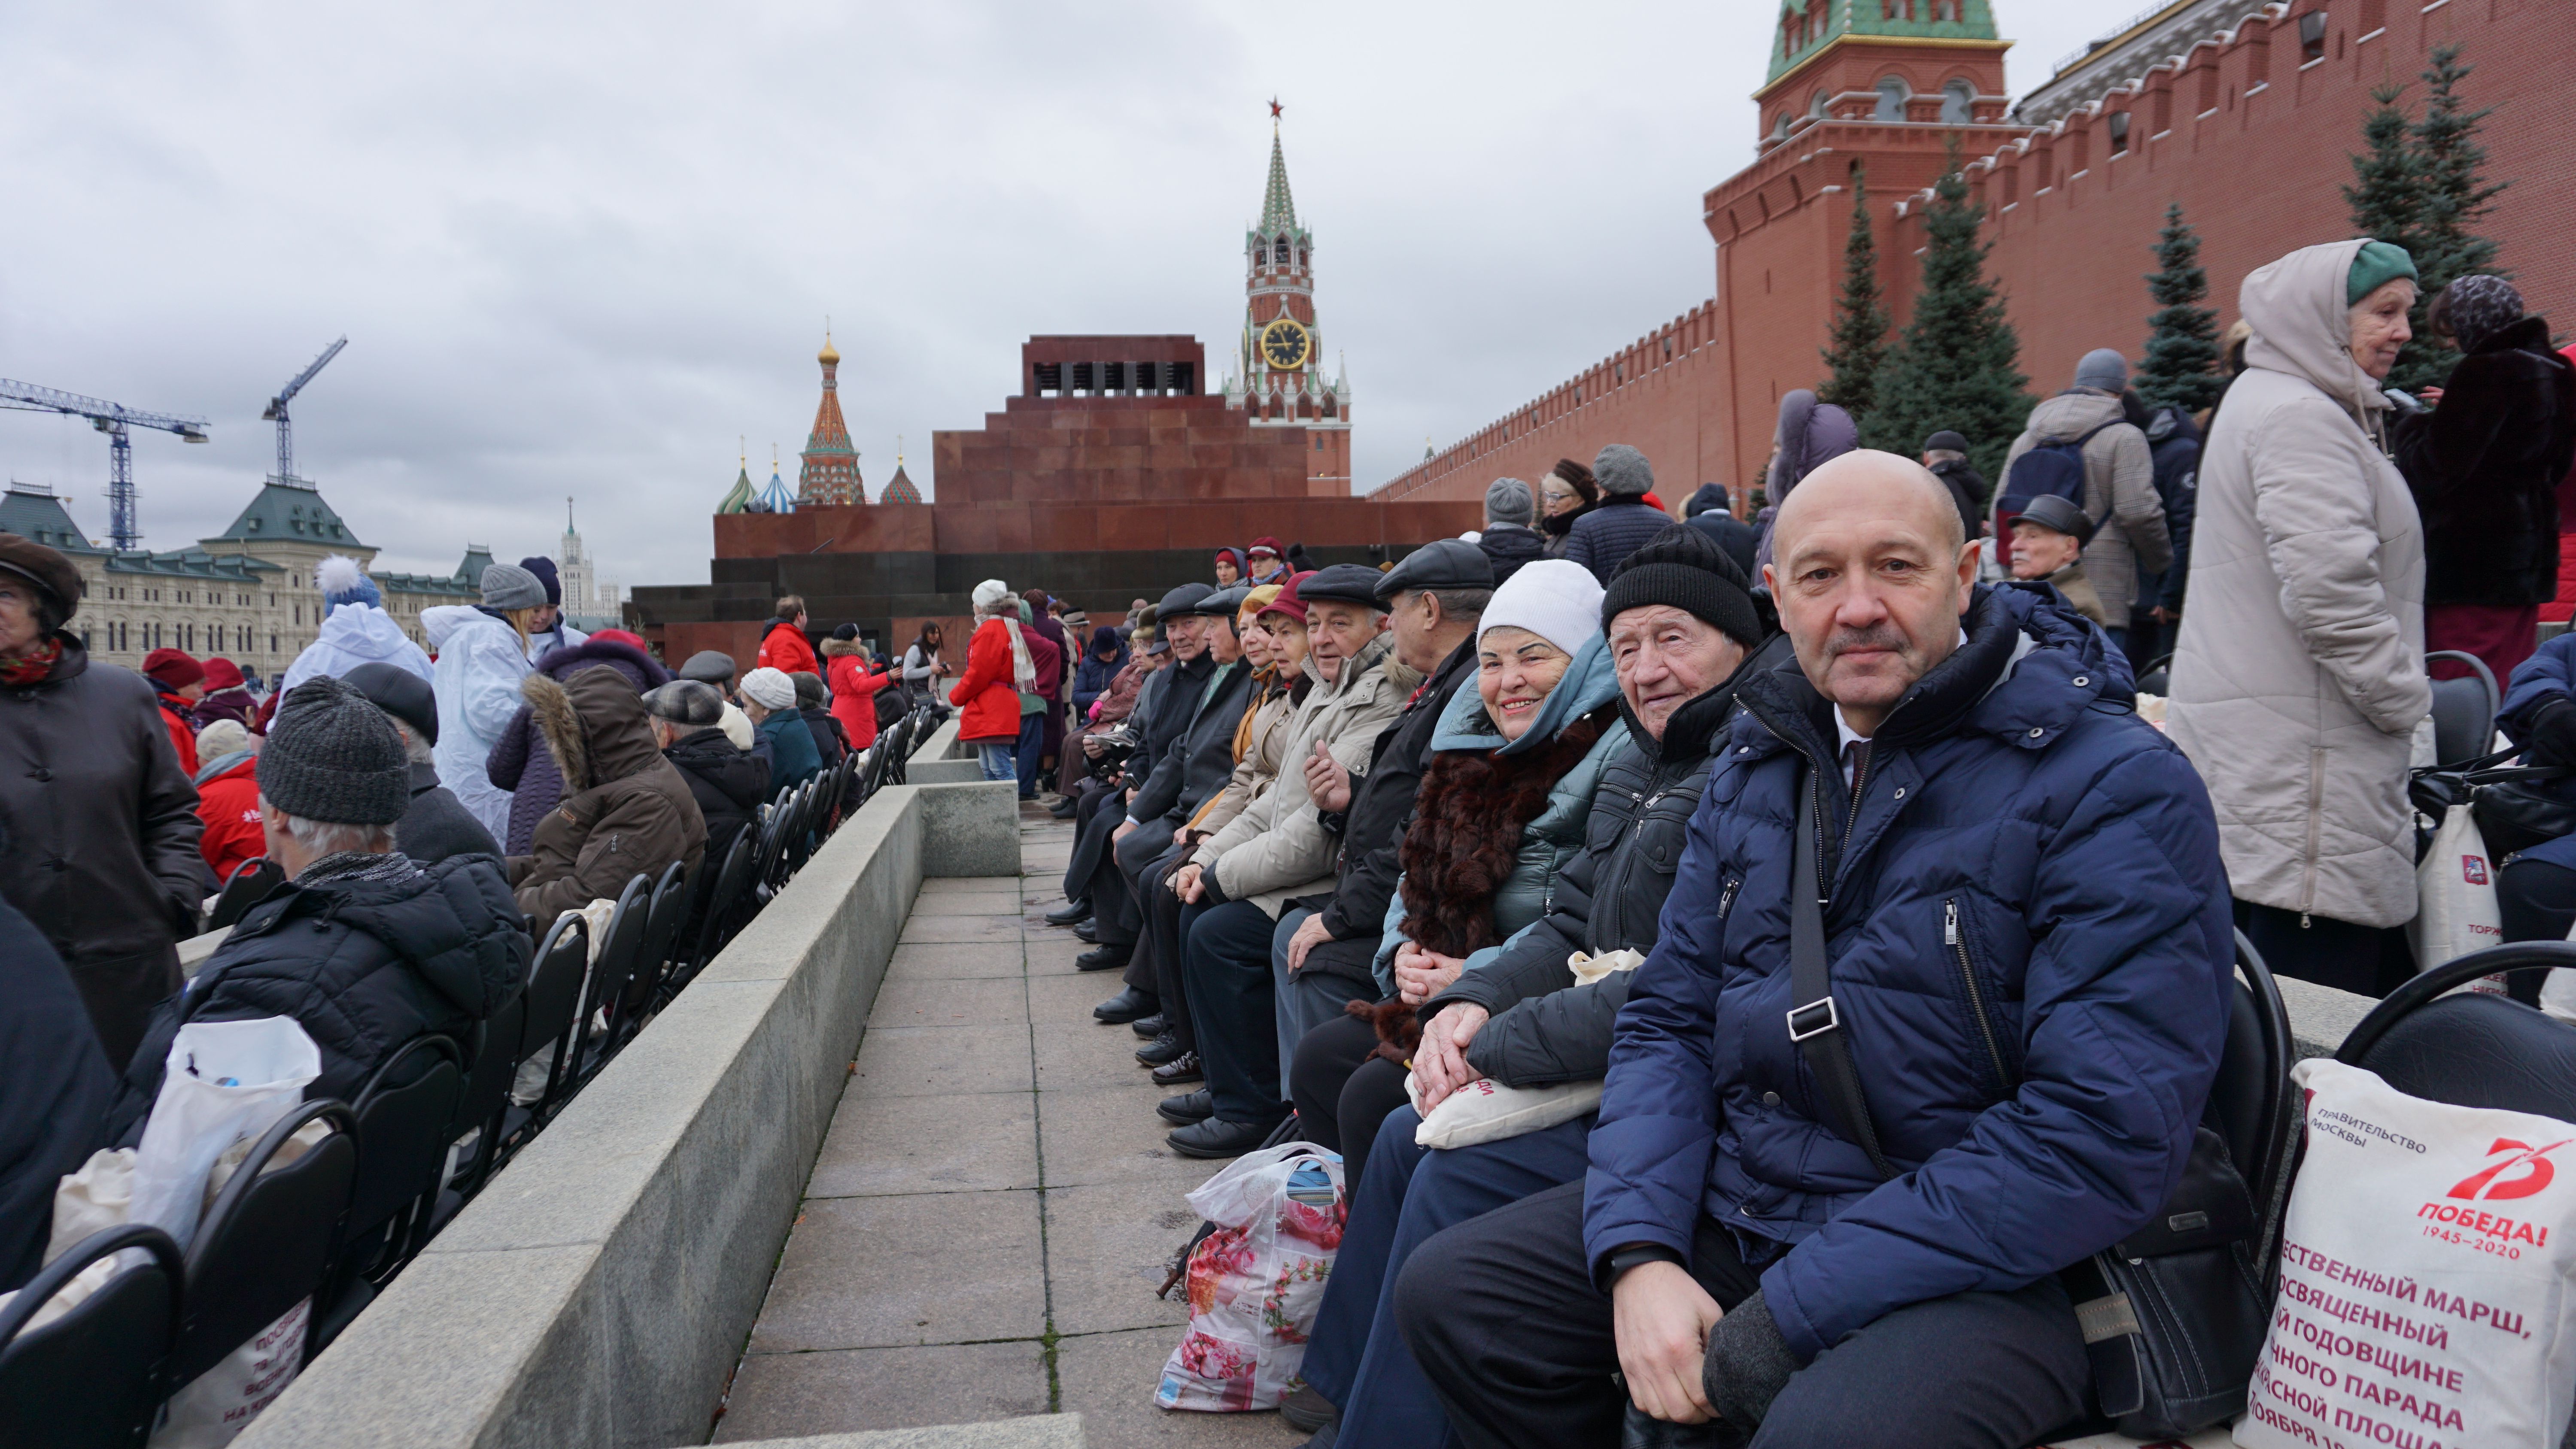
436 825
54 1089
728 784
365 949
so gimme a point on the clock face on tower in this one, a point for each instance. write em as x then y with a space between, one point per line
1284 344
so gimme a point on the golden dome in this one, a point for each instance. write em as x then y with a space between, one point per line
830 356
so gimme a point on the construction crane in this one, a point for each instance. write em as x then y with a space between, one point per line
277 409
113 419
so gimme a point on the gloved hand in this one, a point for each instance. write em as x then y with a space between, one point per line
1748 1364
2553 733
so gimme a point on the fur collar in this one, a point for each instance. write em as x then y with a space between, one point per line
836 648
560 728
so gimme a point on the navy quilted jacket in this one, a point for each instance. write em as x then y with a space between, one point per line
2031 952
1612 529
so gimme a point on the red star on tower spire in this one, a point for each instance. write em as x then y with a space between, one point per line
1274 108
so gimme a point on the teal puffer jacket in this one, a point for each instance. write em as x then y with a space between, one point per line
1555 836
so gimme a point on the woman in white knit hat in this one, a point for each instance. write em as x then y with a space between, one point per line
998 671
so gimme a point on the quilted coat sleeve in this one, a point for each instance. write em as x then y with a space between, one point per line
2548 674
1563 1036
1293 848
2123 1016
509 758
2313 503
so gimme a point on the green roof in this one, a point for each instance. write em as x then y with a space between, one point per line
1278 208
30 510
289 512
737 499
1872 17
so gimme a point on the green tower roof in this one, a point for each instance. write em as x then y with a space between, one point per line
1794 41
288 513
32 511
737 499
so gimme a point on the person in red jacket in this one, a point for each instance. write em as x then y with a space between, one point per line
784 646
228 798
997 664
854 683
181 682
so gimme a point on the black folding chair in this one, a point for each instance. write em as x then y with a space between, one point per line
662 921
2473 1049
403 1114
553 1007
621 942
266 1243
479 1109
247 886
725 897
2464 710
95 1377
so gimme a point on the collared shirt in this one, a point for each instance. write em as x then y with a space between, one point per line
1853 746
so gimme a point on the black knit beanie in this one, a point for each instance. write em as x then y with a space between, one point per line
1685 568
332 756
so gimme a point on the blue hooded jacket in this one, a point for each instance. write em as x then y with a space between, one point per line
2031 949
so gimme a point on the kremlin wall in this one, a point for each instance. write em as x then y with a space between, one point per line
2245 113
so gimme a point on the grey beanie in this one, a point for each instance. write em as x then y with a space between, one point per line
332 756
685 702
1509 500
1622 470
508 586
2103 368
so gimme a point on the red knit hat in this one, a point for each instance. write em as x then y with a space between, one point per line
1288 603
1267 544
172 670
222 673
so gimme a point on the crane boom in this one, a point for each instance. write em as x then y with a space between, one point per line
115 420
276 411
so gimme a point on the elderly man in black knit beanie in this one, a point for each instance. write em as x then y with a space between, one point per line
366 949
1684 630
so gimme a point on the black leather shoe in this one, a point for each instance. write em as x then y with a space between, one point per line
1161 1049
1182 1068
1087 929
1307 1410
1187 1108
1217 1137
1074 914
1104 958
1063 809
1150 1027
1128 1005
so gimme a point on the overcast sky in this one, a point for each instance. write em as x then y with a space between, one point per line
579 249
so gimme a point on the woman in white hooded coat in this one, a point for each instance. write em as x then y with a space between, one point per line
482 656
2299 677
357 630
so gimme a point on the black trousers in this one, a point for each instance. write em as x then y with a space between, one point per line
1501 1314
2367 960
1344 1092
1230 1000
2537 901
1158 911
1093 820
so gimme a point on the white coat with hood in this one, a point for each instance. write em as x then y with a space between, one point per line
480 664
352 635
2299 677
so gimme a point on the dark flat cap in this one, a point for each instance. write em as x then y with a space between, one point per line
692 703
400 693
1183 600
1447 563
1222 603
1343 584
710 666
2048 510
1945 441
46 568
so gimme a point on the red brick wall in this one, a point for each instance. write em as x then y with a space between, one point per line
2260 178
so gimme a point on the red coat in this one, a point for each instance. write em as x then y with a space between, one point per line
229 805
990 706
785 649
183 736
854 687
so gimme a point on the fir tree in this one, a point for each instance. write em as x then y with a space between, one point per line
1861 322
1956 363
2182 336
2454 198
2386 197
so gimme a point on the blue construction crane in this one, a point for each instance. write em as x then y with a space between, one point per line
277 409
112 419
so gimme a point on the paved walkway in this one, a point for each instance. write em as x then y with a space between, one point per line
993 1207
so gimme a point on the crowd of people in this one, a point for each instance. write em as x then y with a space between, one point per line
1773 822
1563 801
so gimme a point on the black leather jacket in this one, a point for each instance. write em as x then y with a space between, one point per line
1545 1028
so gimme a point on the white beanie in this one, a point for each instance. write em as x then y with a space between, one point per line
1557 599
769 688
989 593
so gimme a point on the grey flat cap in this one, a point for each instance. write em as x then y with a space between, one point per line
1183 600
1223 603
710 666
691 703
1443 564
2062 514
508 586
1342 584
400 693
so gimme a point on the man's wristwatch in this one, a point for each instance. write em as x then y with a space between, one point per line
1637 1255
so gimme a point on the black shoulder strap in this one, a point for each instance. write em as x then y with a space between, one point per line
1816 1026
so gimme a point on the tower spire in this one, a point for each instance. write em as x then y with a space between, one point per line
829 476
1278 208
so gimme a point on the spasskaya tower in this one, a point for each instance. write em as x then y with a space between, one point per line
1278 375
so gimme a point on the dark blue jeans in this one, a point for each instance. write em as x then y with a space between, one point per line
1355 1357
1032 750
